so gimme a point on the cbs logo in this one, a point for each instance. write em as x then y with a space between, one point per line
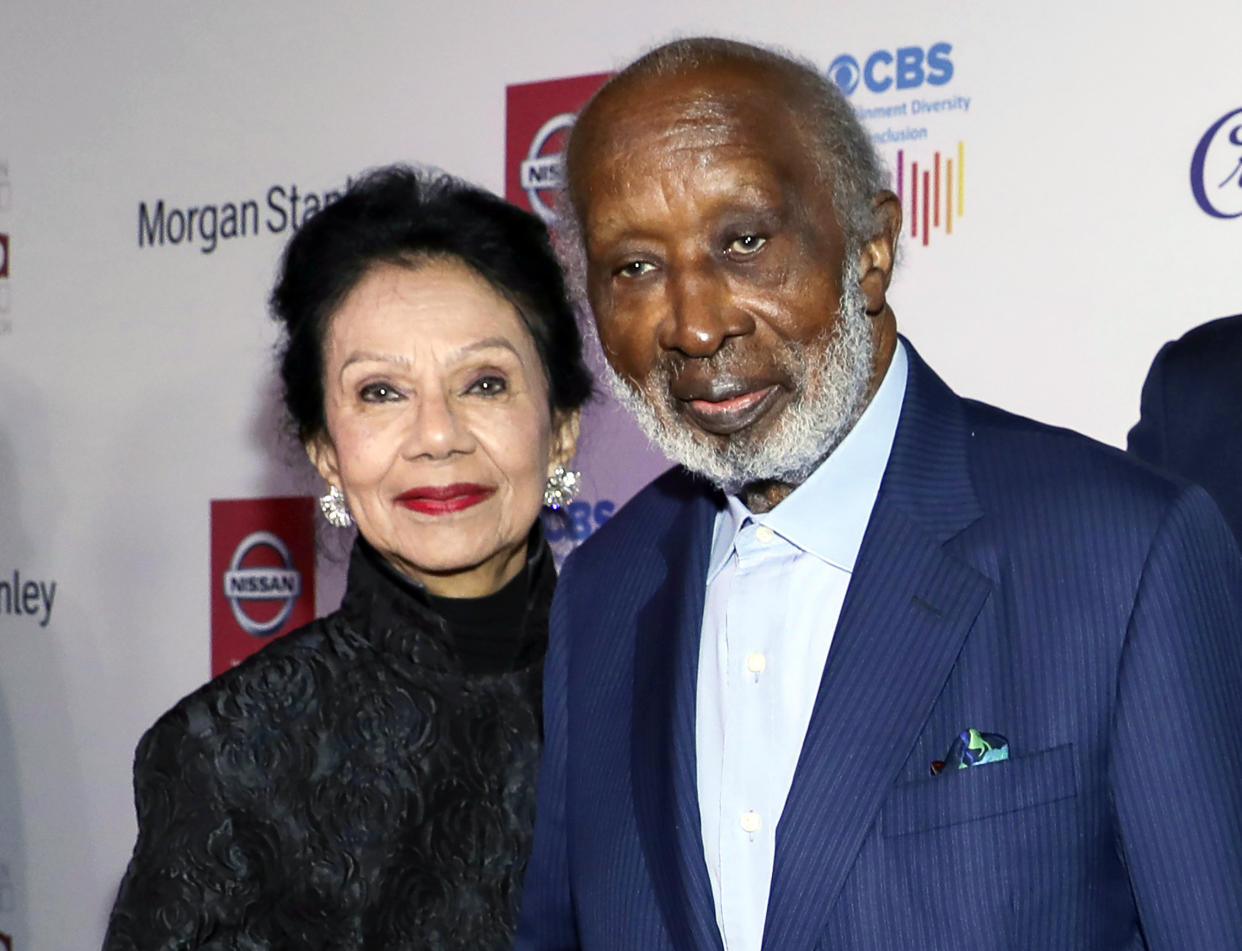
577 520
908 67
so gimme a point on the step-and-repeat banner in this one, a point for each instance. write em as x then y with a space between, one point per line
1071 182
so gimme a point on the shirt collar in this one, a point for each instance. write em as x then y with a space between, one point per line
828 514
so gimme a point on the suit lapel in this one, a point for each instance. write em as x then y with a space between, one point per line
662 752
906 613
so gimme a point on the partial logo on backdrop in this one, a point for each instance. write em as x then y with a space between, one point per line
6 198
1216 167
26 598
537 120
5 325
262 573
570 526
206 223
8 894
918 123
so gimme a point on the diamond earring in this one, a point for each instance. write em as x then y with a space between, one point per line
561 488
334 508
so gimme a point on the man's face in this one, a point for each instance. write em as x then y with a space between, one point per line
714 268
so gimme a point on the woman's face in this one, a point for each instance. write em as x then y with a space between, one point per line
438 427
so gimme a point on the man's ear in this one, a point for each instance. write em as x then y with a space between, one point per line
875 261
322 454
564 437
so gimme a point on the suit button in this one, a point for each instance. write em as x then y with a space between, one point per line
751 821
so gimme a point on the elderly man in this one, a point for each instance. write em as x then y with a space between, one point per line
877 667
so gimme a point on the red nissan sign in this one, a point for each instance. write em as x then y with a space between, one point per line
262 573
537 118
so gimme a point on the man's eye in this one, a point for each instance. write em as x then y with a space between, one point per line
379 393
488 386
746 244
634 268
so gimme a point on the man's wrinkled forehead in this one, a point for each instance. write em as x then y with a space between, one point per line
688 114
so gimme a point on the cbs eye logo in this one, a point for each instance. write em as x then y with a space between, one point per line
1216 167
907 67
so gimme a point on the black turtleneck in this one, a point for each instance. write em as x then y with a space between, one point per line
484 634
488 635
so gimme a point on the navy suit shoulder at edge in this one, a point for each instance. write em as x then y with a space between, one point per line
1010 454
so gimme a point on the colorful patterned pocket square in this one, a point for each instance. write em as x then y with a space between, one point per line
972 748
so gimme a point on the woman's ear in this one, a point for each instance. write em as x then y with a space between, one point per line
322 454
564 437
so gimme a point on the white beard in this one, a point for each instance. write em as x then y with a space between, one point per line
830 375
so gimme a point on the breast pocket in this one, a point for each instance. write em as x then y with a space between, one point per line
978 792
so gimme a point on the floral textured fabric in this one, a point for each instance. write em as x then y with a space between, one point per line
348 787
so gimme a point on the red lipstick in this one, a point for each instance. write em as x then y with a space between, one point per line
445 499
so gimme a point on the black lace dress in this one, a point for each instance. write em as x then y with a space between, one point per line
365 782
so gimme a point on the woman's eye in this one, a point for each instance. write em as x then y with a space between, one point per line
634 268
379 393
488 386
746 244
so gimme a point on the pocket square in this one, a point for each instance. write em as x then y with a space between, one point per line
972 748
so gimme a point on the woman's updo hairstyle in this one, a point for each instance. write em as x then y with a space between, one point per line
397 215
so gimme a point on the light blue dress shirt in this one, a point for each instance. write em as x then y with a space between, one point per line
775 586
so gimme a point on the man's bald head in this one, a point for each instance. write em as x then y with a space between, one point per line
835 140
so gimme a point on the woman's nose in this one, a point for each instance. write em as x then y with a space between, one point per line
437 428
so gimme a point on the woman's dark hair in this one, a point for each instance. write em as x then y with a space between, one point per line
397 215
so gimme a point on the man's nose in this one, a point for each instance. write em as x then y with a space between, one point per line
436 427
701 314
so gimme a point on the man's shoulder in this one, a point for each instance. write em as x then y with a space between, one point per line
1051 467
1213 348
1211 336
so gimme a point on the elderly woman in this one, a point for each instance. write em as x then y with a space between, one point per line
368 780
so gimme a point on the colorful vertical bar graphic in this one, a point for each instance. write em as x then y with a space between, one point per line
914 199
948 197
926 229
961 170
923 192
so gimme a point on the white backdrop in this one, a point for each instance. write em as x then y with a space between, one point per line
135 382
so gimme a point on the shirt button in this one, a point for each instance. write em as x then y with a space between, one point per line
751 821
756 662
764 534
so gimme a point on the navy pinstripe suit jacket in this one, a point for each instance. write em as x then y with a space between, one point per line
1015 578
1192 413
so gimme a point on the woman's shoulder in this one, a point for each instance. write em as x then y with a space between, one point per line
283 680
